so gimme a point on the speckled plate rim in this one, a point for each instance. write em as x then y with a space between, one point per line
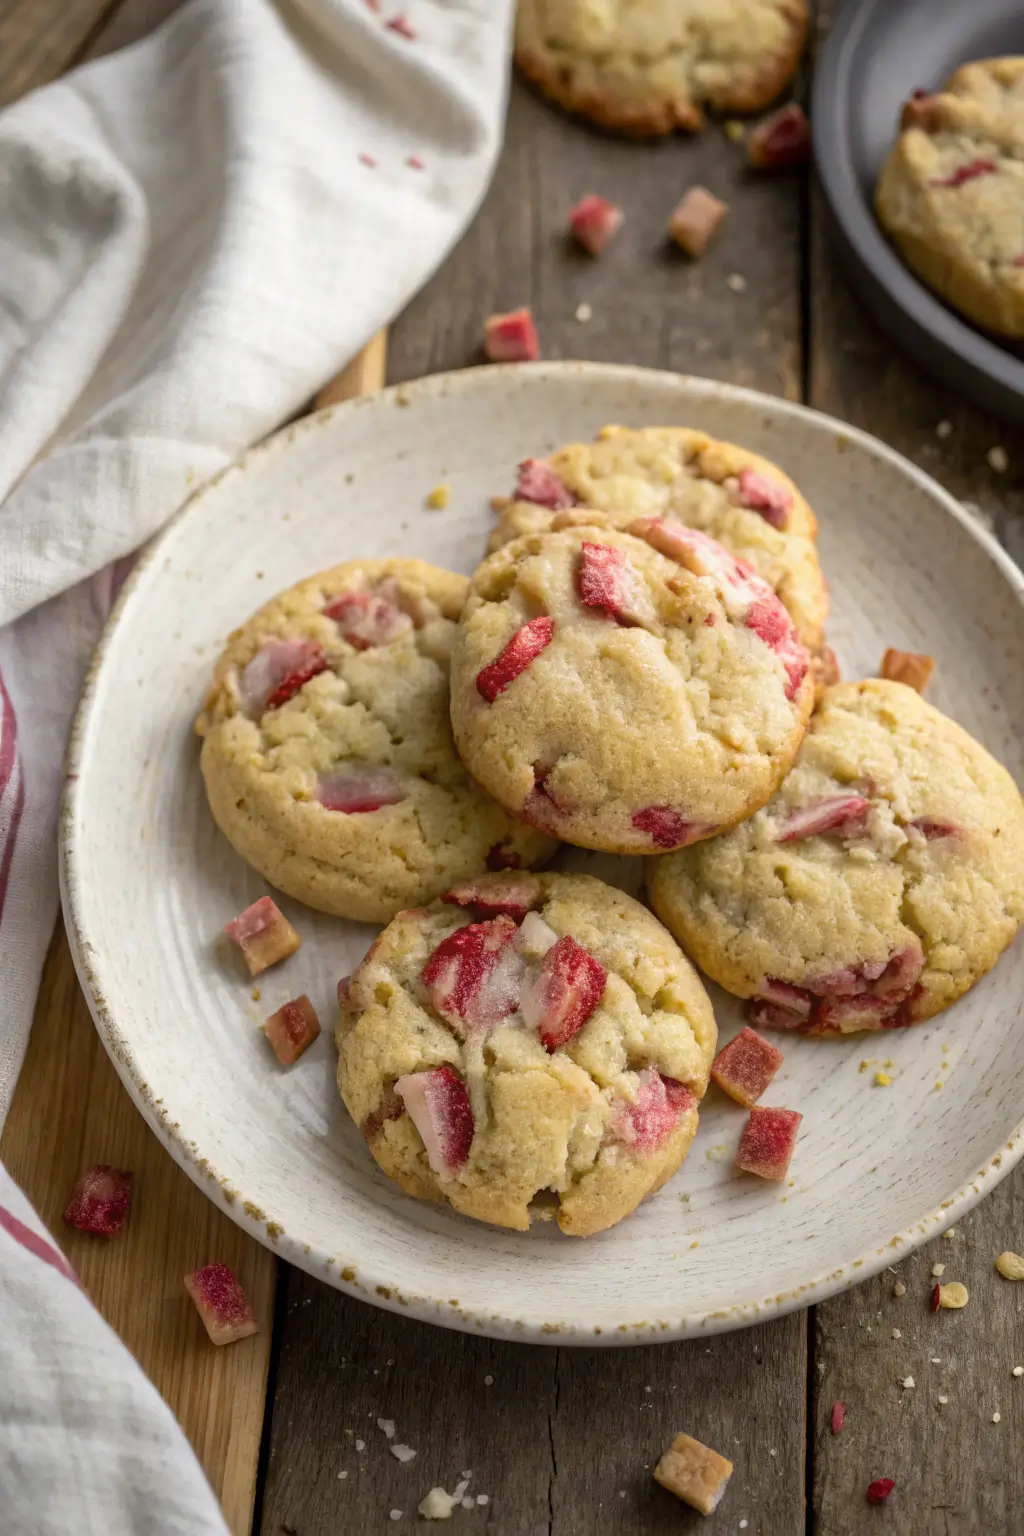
271 1229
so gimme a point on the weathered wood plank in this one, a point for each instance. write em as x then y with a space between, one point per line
559 1436
39 39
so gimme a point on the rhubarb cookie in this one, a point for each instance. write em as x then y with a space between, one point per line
885 877
627 693
951 193
529 1046
327 747
739 498
650 66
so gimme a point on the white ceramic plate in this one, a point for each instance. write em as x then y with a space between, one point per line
148 882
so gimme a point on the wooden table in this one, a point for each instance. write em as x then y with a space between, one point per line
562 1440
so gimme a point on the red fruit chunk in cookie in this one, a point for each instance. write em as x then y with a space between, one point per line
845 815
659 1105
499 857
838 1417
526 643
923 110
933 830
475 975
100 1200
760 493
570 986
601 579
540 809
771 623
773 1015
536 481
488 898
263 934
221 1303
910 667
796 999
766 1145
745 1067
969 172
667 829
359 788
511 338
900 976
438 1106
292 1029
277 672
367 619
880 1489
782 140
845 1015
595 221
695 220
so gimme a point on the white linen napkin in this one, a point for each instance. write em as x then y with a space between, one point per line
194 235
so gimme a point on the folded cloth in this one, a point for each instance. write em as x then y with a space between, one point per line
194 234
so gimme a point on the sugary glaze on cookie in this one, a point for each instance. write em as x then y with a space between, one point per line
328 755
884 878
650 66
951 193
532 1045
614 697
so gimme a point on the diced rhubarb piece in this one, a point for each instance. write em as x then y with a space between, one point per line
773 1015
540 809
843 815
263 934
595 221
847 1015
667 829
796 999
695 220
475 975
901 974
653 1115
403 26
537 482
770 621
438 1106
763 494
694 1473
535 937
367 619
767 1143
358 788
601 579
781 141
526 644
100 1200
910 667
963 173
511 338
221 1303
933 830
745 1067
277 672
292 1029
515 895
880 1489
838 1417
500 857
570 986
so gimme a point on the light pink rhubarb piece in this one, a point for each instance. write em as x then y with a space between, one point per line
475 976
601 578
760 493
221 1303
841 815
358 788
567 991
695 220
292 1029
766 1145
932 829
963 173
666 828
526 644
659 1106
367 619
100 1200
785 995
511 338
277 672
745 1067
438 1106
595 222
263 934
514 895
912 668
538 483
780 141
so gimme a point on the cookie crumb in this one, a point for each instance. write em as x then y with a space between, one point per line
469 1502
997 1418
908 1381
883 1080
1010 1266
584 312
483 1498
436 1505
942 1400
1018 1370
395 1514
950 1232
899 1289
488 1381
387 1428
944 429
897 1334
360 1445
342 1476
938 1269
935 1360
734 130
402 1453
737 282
256 994
998 459
951 1297
437 499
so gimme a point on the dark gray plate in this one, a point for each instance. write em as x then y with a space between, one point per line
879 51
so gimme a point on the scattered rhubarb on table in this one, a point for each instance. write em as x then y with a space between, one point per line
292 1029
744 1068
595 221
511 337
694 1473
263 934
767 1143
221 1303
780 141
695 220
100 1200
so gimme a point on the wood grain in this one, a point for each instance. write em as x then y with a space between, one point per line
563 1441
39 39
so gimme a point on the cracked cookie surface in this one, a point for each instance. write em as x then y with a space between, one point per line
533 1045
617 699
880 883
648 67
951 193
327 748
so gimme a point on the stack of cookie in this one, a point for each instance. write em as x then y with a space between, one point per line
633 669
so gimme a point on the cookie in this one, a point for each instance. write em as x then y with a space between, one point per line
742 500
951 193
532 1045
327 748
623 698
885 877
648 67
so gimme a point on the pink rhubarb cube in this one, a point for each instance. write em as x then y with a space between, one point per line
263 934
511 338
745 1067
100 1201
292 1029
595 221
766 1145
781 141
221 1303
